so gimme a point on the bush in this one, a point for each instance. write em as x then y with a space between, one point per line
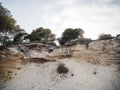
8 43
118 37
61 69
105 36
1 48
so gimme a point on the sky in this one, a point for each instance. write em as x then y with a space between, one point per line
93 16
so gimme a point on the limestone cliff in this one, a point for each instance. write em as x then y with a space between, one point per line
97 52
102 52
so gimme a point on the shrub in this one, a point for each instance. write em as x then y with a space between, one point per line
1 48
8 43
105 36
118 37
61 69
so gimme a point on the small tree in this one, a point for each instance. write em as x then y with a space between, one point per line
70 34
42 35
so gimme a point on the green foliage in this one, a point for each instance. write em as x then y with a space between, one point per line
42 35
8 43
19 37
105 36
70 34
1 48
61 69
74 33
118 37
7 24
52 37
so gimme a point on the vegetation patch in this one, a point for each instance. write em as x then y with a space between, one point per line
61 69
105 36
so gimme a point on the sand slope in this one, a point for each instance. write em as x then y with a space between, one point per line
81 76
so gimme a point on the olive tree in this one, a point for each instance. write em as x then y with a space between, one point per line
70 34
42 35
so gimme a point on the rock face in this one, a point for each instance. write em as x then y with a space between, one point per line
81 76
97 52
10 63
104 52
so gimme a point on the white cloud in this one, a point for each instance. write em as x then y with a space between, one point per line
93 16
93 19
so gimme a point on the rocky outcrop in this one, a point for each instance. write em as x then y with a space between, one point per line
104 52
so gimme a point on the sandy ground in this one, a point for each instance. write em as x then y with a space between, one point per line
81 76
